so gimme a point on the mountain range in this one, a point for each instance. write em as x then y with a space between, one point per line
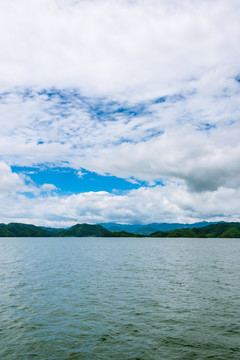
197 230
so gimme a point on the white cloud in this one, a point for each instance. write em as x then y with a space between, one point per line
197 144
205 160
13 185
9 182
80 174
169 203
48 188
109 47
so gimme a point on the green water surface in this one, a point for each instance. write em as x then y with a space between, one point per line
100 299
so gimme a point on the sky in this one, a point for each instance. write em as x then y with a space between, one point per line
121 111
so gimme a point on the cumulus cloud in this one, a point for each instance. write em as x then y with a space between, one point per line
12 184
9 182
205 160
169 203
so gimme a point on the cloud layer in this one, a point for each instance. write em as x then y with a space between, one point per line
147 90
109 47
170 203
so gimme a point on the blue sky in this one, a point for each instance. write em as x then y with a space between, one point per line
69 181
115 111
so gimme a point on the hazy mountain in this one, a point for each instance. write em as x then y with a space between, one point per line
52 231
151 228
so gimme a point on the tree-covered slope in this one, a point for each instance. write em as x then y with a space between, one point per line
223 230
22 230
120 234
52 231
81 230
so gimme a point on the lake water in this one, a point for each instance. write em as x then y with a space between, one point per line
119 298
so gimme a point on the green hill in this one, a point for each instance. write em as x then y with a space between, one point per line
82 230
233 232
223 230
21 230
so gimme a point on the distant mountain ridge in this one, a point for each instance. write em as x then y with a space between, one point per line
221 229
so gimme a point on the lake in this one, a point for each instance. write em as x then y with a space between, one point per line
119 298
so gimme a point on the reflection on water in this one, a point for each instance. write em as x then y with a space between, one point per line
95 298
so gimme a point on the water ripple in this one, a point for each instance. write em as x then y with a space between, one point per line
121 299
